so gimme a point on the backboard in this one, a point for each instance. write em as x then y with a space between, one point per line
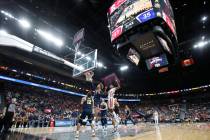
110 79
86 61
79 36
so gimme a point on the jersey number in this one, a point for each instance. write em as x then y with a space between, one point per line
89 102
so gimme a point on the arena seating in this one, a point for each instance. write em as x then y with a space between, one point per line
36 108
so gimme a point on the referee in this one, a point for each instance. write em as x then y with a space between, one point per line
2 112
8 117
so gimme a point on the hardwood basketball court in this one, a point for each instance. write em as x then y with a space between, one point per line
195 131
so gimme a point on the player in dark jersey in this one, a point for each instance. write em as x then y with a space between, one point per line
87 103
128 115
103 108
97 101
98 95
98 91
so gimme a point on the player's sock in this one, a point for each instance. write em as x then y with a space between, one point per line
104 131
115 117
97 125
93 133
93 122
77 134
118 119
117 126
114 114
115 129
85 120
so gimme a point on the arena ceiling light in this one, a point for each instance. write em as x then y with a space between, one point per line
3 32
82 67
100 64
124 68
201 44
204 18
24 23
50 37
88 58
79 53
7 14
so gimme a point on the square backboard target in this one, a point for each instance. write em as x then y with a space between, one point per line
86 61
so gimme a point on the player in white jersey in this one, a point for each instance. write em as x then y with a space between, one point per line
155 115
111 104
111 93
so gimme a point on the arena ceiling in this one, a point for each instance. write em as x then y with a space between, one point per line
65 18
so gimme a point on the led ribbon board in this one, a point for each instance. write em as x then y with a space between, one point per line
39 85
53 88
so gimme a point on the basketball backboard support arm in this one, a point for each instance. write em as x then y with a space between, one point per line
77 40
86 60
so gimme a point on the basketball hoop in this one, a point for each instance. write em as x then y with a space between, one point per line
89 76
84 62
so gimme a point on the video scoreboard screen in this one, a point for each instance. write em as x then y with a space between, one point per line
157 62
133 56
125 14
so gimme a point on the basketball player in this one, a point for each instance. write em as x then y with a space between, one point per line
111 104
98 94
156 117
128 115
103 108
97 101
87 103
9 115
98 91
111 93
117 111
